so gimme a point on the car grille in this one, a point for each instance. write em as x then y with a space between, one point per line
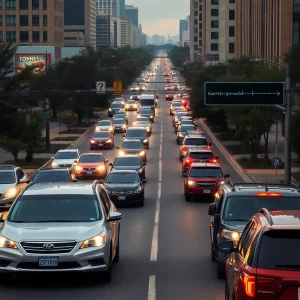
41 248
206 184
66 165
89 169
61 265
122 193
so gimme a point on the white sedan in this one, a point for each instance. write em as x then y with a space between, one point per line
106 125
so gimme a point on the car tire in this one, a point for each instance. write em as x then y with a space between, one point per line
107 275
117 255
212 256
221 274
227 296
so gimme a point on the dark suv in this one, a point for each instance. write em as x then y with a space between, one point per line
236 203
265 264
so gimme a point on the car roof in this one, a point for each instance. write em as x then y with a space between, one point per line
68 150
285 217
65 188
122 171
91 153
205 165
129 155
136 128
195 136
132 140
200 150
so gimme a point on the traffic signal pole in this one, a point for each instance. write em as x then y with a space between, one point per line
47 108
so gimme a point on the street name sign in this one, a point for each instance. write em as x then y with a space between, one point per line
244 93
100 87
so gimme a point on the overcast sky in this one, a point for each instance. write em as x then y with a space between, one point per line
161 16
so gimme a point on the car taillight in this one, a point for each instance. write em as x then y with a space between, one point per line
249 285
268 194
184 148
213 161
187 161
207 148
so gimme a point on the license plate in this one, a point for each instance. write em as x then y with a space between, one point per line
89 173
206 191
121 197
48 261
100 144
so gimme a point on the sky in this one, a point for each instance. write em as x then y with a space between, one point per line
161 16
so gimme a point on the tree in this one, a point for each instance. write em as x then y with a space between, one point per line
12 145
178 55
69 119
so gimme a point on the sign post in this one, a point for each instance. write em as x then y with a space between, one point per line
100 87
276 163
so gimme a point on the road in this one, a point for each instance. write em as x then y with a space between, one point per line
164 246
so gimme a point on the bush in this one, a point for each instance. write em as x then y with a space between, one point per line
69 119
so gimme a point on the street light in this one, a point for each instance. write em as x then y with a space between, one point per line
288 115
105 57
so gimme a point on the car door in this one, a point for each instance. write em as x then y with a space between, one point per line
215 220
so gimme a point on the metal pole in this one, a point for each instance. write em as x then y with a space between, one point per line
47 103
288 114
99 64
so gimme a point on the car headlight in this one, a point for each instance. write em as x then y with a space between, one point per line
108 141
96 241
142 153
10 193
131 97
121 153
124 126
148 128
191 183
231 235
109 109
145 141
222 182
6 243
78 168
151 117
92 142
110 129
101 168
138 190
140 170
127 105
97 129
54 164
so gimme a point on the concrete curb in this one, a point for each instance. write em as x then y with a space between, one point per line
226 154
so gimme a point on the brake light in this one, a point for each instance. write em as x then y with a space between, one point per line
266 194
187 161
184 148
207 148
249 285
213 161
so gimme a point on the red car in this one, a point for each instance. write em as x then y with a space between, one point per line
102 140
170 95
203 179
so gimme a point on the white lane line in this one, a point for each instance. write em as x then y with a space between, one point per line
159 170
152 288
154 247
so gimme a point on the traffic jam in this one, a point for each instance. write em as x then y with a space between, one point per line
254 227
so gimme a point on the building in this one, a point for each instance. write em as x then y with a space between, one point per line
132 13
144 40
121 9
104 31
183 26
126 33
196 12
109 7
158 39
135 37
140 33
185 39
267 30
79 23
33 23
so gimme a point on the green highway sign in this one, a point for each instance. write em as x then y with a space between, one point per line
47 115
244 93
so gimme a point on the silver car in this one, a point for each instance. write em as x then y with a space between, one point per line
59 227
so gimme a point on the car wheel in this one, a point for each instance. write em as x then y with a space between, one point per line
117 255
221 274
213 258
107 276
227 297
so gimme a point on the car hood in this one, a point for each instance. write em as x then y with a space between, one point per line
51 231
64 161
135 168
136 138
236 225
132 151
121 186
101 139
5 187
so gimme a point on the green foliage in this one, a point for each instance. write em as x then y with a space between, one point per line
179 55
69 119
11 145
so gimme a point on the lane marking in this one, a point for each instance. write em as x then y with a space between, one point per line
152 288
154 247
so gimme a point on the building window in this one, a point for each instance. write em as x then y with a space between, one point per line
35 20
200 17
195 13
232 1
35 36
214 24
1 23
195 30
10 4
195 4
44 4
24 36
1 8
1 34
214 35
45 20
214 47
195 39
200 26
200 7
231 31
45 36
231 48
214 12
23 20
196 22
214 2
231 14
200 34
23 4
10 20
35 4
10 36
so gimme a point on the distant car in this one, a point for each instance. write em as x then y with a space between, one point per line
146 112
105 125
119 100
175 103
195 142
138 133
184 131
133 147
134 88
102 140
130 105
143 122
170 95
65 158
135 96
121 115
120 125
113 108
54 175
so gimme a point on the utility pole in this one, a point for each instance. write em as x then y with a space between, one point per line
47 112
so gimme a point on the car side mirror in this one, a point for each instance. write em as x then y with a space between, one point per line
210 144
226 247
75 161
110 164
144 180
226 175
2 218
212 209
91 137
114 216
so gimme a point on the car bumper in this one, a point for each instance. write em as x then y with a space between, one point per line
200 191
103 146
129 198
131 108
89 259
94 174
120 129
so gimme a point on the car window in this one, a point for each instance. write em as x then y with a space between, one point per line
243 236
102 134
55 208
195 142
52 176
66 155
104 123
122 178
127 161
132 145
201 155
247 240
206 172
7 177
91 158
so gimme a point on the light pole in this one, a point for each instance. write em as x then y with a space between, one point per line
288 117
105 57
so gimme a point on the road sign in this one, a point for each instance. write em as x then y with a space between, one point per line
47 115
117 85
276 162
244 93
100 87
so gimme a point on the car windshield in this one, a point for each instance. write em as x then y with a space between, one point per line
116 105
206 172
55 208
127 161
119 121
147 101
66 155
130 102
201 155
7 177
102 134
195 142
104 123
244 207
146 111
136 133
91 158
132 145
187 122
52 176
122 178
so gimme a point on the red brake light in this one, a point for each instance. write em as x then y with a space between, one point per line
214 161
207 147
184 148
249 285
268 194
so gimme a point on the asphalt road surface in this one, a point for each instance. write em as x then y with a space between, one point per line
164 246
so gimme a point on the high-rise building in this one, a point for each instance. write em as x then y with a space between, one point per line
104 31
140 33
80 23
196 11
158 39
121 9
132 13
126 33
183 26
34 23
109 7
271 34
144 40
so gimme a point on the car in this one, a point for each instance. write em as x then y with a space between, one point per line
135 96
102 140
54 175
142 87
170 95
130 105
182 132
119 100
148 101
120 125
130 162
12 182
235 204
105 125
166 74
184 122
177 115
121 115
143 122
133 147
91 165
203 179
124 187
265 261
113 108
193 141
76 228
146 112
175 103
65 158
134 88
138 133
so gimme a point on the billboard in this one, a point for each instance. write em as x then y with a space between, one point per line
36 60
